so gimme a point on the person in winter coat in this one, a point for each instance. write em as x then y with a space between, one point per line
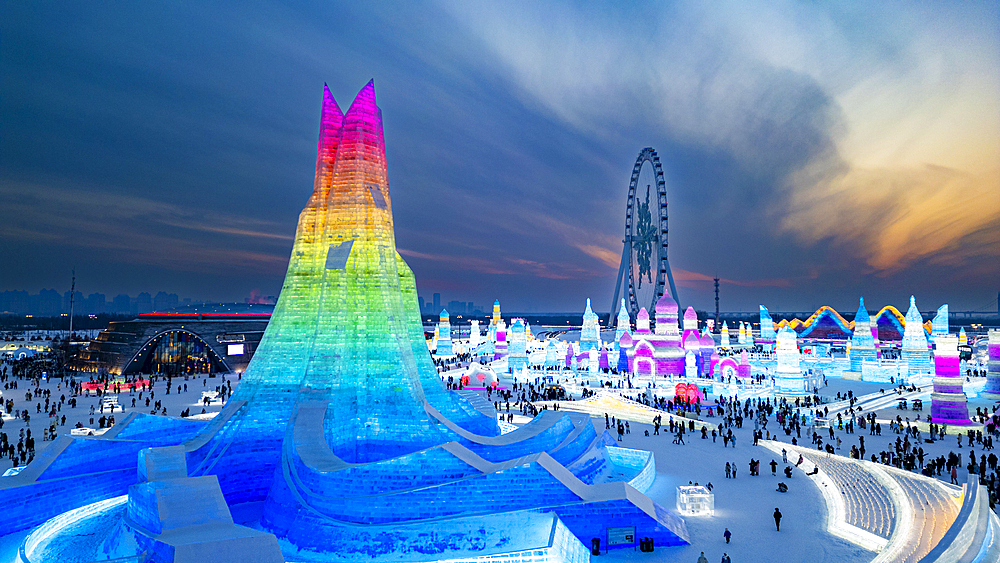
726 559
701 558
727 534
777 519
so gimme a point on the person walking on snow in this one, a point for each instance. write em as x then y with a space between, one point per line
727 534
777 519
774 467
726 559
701 558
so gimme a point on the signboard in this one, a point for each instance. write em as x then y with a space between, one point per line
235 350
624 535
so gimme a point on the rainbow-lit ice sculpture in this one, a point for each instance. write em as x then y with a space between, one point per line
949 404
491 332
341 443
500 347
992 390
444 343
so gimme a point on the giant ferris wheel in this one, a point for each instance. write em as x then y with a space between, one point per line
644 270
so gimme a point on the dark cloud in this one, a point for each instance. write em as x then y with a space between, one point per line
172 147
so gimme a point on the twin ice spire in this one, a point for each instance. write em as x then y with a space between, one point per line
350 158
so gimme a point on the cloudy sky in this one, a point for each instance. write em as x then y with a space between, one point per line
813 152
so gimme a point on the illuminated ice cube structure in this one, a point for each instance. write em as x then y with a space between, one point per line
341 442
695 500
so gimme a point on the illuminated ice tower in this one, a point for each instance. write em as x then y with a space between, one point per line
741 338
949 404
914 351
708 357
494 322
474 337
939 324
992 390
517 351
624 323
724 342
444 344
862 343
767 333
689 324
666 339
500 349
590 332
551 354
788 379
341 443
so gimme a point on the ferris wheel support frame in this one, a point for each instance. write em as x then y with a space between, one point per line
663 272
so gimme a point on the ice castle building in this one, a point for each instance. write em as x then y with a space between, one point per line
789 380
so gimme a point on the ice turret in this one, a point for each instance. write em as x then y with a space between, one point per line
623 324
939 324
590 332
766 325
862 343
517 348
914 351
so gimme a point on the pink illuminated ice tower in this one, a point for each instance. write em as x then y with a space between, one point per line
948 402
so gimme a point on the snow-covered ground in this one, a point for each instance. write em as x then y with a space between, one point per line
744 505
174 403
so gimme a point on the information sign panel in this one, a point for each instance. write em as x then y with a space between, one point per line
624 535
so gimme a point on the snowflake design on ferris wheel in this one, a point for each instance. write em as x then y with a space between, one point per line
644 274
642 242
